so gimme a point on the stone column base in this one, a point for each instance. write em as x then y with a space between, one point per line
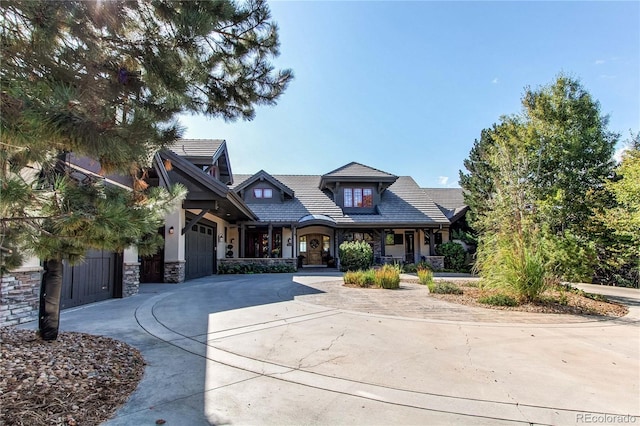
20 296
130 279
174 272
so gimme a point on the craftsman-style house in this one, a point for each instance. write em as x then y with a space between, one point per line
227 217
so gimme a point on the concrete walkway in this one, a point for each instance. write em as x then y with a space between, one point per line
293 349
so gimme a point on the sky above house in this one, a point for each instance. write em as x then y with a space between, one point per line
406 87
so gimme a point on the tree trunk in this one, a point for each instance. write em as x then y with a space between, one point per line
50 293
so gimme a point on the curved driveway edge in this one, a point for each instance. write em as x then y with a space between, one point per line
295 349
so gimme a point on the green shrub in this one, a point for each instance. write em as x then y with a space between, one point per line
498 299
425 276
410 268
444 288
388 276
360 278
454 256
355 255
514 262
253 268
423 264
466 236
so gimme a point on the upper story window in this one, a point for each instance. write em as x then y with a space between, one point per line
263 192
358 197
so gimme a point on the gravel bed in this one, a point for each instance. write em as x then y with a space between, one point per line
78 379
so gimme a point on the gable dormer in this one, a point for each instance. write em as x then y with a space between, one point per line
209 155
264 188
357 188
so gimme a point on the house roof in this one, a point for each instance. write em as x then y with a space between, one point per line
356 172
204 191
449 200
354 169
264 176
403 203
204 148
205 152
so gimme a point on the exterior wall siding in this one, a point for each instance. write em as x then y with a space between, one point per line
20 296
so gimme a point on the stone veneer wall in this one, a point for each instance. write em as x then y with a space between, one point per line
437 262
130 279
20 296
174 272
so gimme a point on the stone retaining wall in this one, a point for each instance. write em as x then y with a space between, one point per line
437 262
20 296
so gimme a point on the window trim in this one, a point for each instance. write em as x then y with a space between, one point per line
262 193
357 195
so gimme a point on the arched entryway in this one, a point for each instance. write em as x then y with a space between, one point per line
316 249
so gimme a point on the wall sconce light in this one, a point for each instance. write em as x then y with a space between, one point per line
220 238
171 230
289 241
232 240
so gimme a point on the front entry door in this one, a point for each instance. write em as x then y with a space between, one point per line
409 250
314 249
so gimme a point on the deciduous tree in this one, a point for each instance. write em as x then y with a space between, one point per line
564 153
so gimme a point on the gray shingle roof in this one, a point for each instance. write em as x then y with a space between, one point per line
354 169
450 200
403 203
196 147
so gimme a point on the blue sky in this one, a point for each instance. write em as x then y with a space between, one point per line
406 87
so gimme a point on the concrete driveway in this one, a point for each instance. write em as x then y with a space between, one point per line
296 349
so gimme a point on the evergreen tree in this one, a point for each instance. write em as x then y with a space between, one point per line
478 181
106 80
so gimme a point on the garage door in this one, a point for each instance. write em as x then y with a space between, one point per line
200 251
91 281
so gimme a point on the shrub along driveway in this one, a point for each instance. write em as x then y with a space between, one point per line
296 349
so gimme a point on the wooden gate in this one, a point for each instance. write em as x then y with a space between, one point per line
91 281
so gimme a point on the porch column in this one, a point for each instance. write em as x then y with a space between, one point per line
432 250
383 236
294 241
269 240
241 252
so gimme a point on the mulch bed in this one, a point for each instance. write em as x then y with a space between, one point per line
78 379
576 304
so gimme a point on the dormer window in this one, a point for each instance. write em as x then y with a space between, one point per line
358 197
263 192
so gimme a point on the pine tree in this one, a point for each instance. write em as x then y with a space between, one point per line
107 80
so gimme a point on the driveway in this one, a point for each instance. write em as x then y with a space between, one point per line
279 349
